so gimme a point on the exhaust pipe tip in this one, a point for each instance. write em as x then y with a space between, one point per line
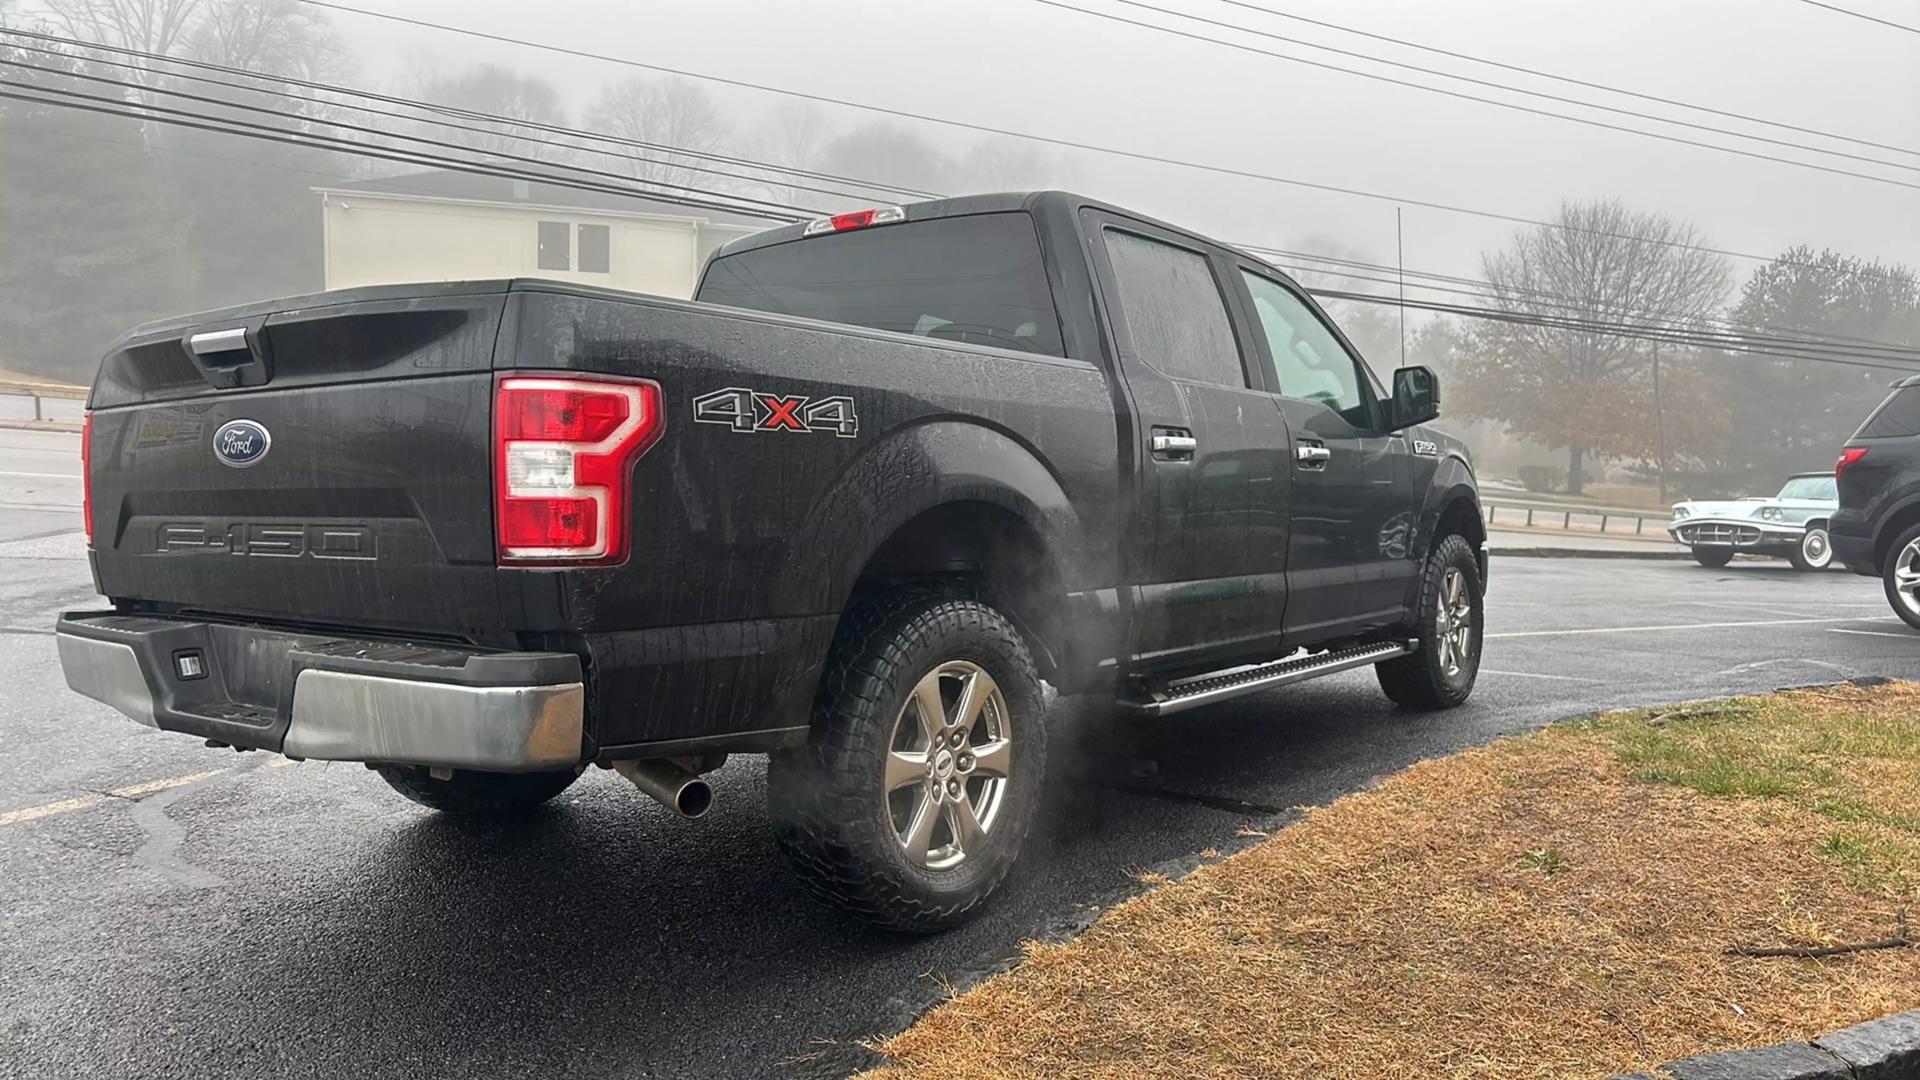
695 799
669 785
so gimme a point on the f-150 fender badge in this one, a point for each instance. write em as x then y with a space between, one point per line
751 412
1425 448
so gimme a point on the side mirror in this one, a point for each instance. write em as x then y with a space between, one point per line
1416 398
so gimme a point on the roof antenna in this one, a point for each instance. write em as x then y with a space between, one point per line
1400 245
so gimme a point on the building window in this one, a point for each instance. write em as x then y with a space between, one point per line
555 252
596 249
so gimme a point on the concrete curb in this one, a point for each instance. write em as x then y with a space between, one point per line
1586 553
72 426
1885 1049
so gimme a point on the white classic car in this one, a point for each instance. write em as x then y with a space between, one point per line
1792 524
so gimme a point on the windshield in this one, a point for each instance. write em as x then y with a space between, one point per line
976 278
1810 487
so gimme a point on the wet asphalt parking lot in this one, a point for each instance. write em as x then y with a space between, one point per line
167 910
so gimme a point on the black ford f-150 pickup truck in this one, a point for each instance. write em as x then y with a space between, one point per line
848 507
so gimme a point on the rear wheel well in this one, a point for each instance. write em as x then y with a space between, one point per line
1902 520
978 550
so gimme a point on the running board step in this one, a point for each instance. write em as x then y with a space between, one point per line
1183 694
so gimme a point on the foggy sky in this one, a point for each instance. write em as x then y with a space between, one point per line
1021 65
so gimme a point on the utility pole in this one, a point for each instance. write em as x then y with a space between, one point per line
1660 425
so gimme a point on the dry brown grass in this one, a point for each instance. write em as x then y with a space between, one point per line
1559 904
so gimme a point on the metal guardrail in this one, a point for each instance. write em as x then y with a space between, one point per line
39 392
1547 512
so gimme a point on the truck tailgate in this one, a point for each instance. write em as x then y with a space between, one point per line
351 484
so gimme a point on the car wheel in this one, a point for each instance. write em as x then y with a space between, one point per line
911 799
1712 558
1901 577
1814 552
1451 621
478 794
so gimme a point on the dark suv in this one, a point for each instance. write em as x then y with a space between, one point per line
1876 531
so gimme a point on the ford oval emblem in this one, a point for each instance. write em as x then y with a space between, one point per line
241 443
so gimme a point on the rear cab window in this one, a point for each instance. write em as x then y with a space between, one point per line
1898 415
975 278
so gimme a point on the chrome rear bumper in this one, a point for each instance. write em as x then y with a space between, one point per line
312 696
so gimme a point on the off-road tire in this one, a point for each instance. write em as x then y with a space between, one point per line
478 794
1803 559
1418 680
1712 558
1889 567
827 800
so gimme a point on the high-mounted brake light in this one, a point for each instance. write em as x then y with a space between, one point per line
1847 457
86 476
563 451
858 219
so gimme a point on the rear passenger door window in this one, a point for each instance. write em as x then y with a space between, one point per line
1175 314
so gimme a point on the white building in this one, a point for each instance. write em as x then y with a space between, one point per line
452 226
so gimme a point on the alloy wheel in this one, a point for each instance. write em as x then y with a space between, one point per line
1906 576
948 765
1453 630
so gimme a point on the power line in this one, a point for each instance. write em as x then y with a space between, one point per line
1479 287
1516 107
1676 335
1569 80
227 104
182 118
1134 155
1609 329
1568 303
161 114
1864 15
331 88
1507 87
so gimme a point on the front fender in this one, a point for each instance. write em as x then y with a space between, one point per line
915 469
1451 480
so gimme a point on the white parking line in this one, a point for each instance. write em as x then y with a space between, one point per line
1669 626
45 475
1537 675
1868 633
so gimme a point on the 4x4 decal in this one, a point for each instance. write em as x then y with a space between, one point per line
751 411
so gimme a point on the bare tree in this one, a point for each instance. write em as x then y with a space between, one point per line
1005 163
276 37
1572 384
498 91
156 26
793 135
674 115
888 154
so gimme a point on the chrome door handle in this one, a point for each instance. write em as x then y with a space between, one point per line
1175 444
1312 455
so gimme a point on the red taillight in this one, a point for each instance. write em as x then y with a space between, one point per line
86 475
1847 457
563 451
855 219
